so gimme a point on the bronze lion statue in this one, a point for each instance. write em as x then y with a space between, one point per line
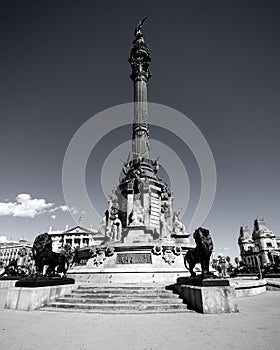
44 256
201 253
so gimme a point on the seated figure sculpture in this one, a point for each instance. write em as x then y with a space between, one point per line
201 253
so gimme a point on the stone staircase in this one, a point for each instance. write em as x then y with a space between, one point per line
119 299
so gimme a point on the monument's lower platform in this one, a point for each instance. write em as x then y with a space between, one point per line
154 262
134 275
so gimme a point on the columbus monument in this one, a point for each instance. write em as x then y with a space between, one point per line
144 238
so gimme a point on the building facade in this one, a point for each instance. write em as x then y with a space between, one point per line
76 237
15 250
260 247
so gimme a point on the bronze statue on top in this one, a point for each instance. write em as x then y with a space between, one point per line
201 253
138 29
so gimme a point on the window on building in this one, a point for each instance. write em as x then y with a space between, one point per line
77 241
85 241
69 241
269 244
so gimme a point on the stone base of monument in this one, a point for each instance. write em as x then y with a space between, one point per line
116 276
160 261
27 299
207 296
137 234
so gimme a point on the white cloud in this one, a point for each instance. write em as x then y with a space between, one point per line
51 231
3 239
25 206
227 248
66 209
28 207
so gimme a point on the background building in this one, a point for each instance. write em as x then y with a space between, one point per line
77 236
262 244
15 250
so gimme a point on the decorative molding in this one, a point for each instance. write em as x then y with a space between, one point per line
99 254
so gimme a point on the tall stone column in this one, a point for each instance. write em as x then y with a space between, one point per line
140 59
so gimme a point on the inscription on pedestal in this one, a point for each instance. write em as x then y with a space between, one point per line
134 258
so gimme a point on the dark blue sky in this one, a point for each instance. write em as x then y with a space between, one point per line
215 61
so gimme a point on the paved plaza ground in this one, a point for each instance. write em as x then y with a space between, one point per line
256 326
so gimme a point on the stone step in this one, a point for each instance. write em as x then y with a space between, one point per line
119 299
128 296
122 296
125 293
117 307
123 301
119 311
124 289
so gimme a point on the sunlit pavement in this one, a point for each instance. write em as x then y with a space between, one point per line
256 326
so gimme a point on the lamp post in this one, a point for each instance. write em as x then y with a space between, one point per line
259 266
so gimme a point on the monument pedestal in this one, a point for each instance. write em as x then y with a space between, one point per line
160 261
207 296
137 234
27 299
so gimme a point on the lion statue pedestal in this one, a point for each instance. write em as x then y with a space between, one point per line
205 293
